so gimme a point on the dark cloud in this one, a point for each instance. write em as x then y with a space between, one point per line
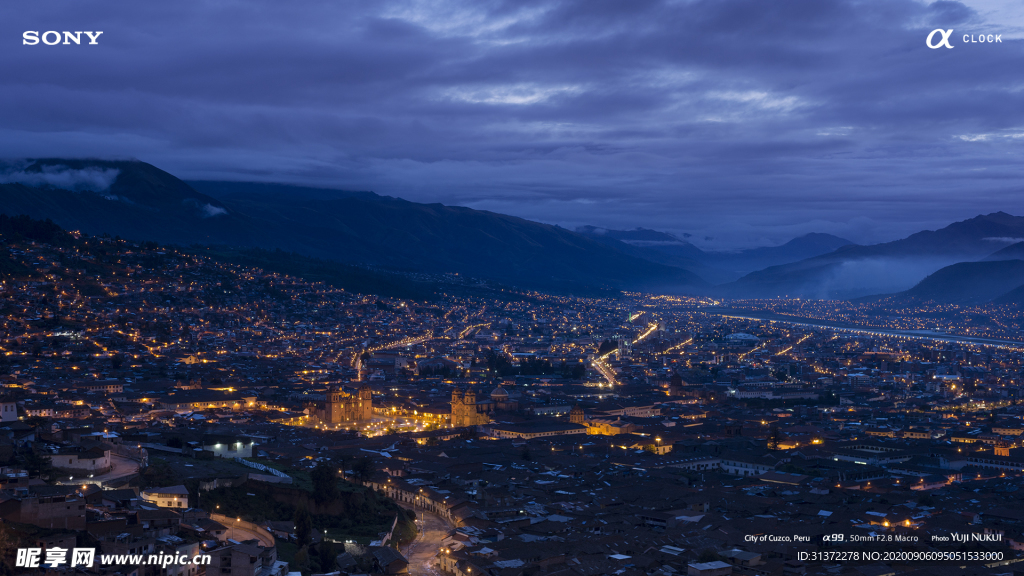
743 120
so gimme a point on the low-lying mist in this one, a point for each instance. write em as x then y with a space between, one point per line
871 276
58 176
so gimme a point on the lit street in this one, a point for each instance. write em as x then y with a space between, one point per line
421 552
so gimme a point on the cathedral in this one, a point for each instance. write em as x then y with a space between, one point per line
468 411
342 407
577 416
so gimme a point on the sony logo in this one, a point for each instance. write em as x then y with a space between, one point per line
52 37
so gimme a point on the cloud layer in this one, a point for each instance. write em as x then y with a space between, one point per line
58 176
738 121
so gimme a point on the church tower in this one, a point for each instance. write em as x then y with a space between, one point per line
464 409
365 403
457 408
576 415
335 406
675 385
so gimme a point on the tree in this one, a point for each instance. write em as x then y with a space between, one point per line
8 544
708 555
498 364
327 553
159 473
303 526
576 372
301 560
37 464
362 468
325 483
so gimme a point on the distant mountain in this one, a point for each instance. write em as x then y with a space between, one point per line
230 191
660 248
854 271
968 283
716 267
642 237
799 248
135 200
1011 252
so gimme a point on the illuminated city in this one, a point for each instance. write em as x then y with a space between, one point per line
145 357
543 288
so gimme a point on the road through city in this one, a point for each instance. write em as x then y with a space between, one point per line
120 466
240 530
421 552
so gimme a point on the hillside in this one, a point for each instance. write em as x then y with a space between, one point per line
1015 296
968 283
1014 251
143 202
140 201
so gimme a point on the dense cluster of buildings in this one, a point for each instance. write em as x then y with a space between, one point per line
541 434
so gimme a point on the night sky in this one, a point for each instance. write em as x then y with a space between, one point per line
740 122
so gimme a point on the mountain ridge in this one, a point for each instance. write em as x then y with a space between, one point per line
968 283
859 270
716 267
145 203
